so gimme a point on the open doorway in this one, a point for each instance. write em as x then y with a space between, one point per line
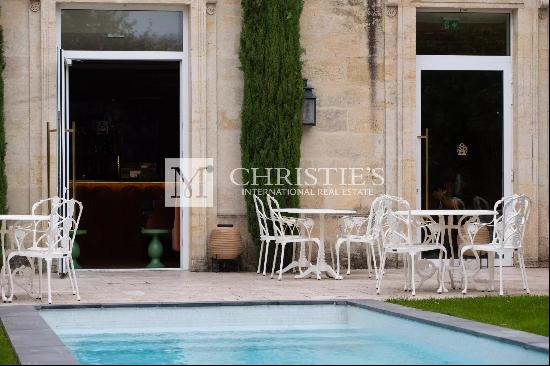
127 119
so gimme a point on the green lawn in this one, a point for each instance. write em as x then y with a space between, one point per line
7 356
527 313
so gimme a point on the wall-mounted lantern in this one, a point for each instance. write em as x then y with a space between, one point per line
309 109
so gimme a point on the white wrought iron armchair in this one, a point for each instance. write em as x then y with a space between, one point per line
289 230
399 235
55 242
508 230
362 230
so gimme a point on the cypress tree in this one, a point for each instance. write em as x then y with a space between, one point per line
271 116
3 179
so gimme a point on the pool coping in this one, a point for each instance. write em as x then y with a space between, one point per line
36 343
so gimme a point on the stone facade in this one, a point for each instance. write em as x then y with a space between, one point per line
359 55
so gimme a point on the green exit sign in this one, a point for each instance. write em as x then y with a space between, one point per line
450 24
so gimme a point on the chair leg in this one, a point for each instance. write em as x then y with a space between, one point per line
274 260
282 261
10 299
49 277
261 256
373 254
500 257
266 254
369 264
523 272
381 274
442 253
464 274
337 250
348 248
70 273
40 272
406 266
293 256
413 293
71 261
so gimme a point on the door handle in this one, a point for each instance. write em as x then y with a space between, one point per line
426 138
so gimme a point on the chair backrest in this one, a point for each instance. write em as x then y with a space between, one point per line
352 225
511 221
63 222
395 229
276 219
377 210
262 217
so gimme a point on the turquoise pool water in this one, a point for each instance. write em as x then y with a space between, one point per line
270 334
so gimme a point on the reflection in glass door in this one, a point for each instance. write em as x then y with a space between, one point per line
462 117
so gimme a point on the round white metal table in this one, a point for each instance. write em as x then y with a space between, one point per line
448 225
3 231
321 265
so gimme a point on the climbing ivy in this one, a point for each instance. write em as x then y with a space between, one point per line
271 115
3 179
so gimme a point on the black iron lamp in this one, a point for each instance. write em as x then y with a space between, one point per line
309 109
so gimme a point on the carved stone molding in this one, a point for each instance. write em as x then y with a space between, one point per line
543 14
211 7
391 7
35 6
391 11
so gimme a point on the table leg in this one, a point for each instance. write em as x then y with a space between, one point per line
491 265
322 265
425 269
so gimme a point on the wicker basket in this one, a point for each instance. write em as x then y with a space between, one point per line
483 236
225 243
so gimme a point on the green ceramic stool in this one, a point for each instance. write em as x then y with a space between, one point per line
76 248
155 246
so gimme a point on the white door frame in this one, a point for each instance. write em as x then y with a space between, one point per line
67 56
472 63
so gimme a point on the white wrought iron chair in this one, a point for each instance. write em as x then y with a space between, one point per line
55 242
362 230
508 230
399 235
289 230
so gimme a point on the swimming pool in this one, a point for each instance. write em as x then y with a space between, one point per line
270 334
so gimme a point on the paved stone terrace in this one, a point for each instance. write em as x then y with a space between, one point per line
176 286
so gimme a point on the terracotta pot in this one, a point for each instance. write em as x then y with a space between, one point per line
225 243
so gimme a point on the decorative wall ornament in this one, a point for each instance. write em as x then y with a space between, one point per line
462 149
211 7
391 11
35 6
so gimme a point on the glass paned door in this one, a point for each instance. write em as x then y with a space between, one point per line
464 119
